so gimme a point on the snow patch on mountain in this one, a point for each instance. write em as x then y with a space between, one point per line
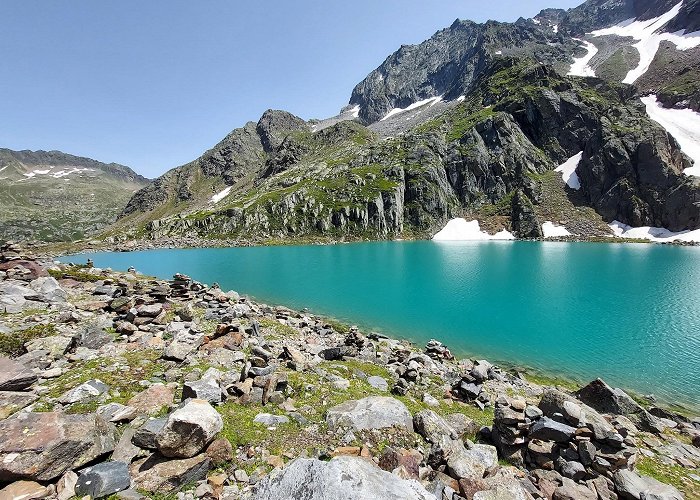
56 175
682 124
568 171
432 101
580 66
221 195
461 230
648 36
551 230
658 234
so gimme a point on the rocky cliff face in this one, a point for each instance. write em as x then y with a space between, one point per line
448 63
236 160
54 196
491 156
498 118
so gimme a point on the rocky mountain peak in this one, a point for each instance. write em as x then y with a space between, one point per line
275 125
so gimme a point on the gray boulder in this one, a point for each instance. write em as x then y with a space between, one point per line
433 427
630 485
103 479
270 420
605 399
15 376
48 289
343 478
547 429
473 462
189 429
207 389
42 446
184 343
570 490
87 390
116 412
554 401
374 412
145 436
56 345
150 310
572 470
378 383
126 450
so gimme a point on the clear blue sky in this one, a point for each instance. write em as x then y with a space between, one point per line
152 84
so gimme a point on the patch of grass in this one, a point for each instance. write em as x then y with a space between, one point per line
355 365
337 325
543 379
672 474
503 207
75 274
277 328
123 383
12 344
465 121
241 430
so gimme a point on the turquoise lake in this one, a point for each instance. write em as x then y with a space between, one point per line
629 313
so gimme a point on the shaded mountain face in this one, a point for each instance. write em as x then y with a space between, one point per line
236 160
472 122
54 196
448 63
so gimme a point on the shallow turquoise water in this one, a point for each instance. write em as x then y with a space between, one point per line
628 313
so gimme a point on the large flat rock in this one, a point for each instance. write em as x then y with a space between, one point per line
42 446
15 376
374 412
343 478
10 402
161 475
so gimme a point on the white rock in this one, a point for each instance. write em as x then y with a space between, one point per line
189 429
343 478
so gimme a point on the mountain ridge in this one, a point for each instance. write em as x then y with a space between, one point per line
56 196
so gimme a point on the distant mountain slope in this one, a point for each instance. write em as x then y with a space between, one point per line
54 196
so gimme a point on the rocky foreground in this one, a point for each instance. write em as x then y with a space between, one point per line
119 385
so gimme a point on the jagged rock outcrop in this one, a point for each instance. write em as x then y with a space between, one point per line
506 120
240 154
523 217
449 62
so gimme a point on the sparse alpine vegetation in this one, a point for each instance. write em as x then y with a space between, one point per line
51 196
129 386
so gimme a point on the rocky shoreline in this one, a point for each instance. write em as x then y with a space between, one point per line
119 385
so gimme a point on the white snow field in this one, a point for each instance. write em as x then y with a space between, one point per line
682 124
646 32
580 66
658 234
220 195
461 230
432 101
568 171
550 230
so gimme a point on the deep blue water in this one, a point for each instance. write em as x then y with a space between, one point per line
629 313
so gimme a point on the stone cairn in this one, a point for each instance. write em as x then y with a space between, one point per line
565 436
